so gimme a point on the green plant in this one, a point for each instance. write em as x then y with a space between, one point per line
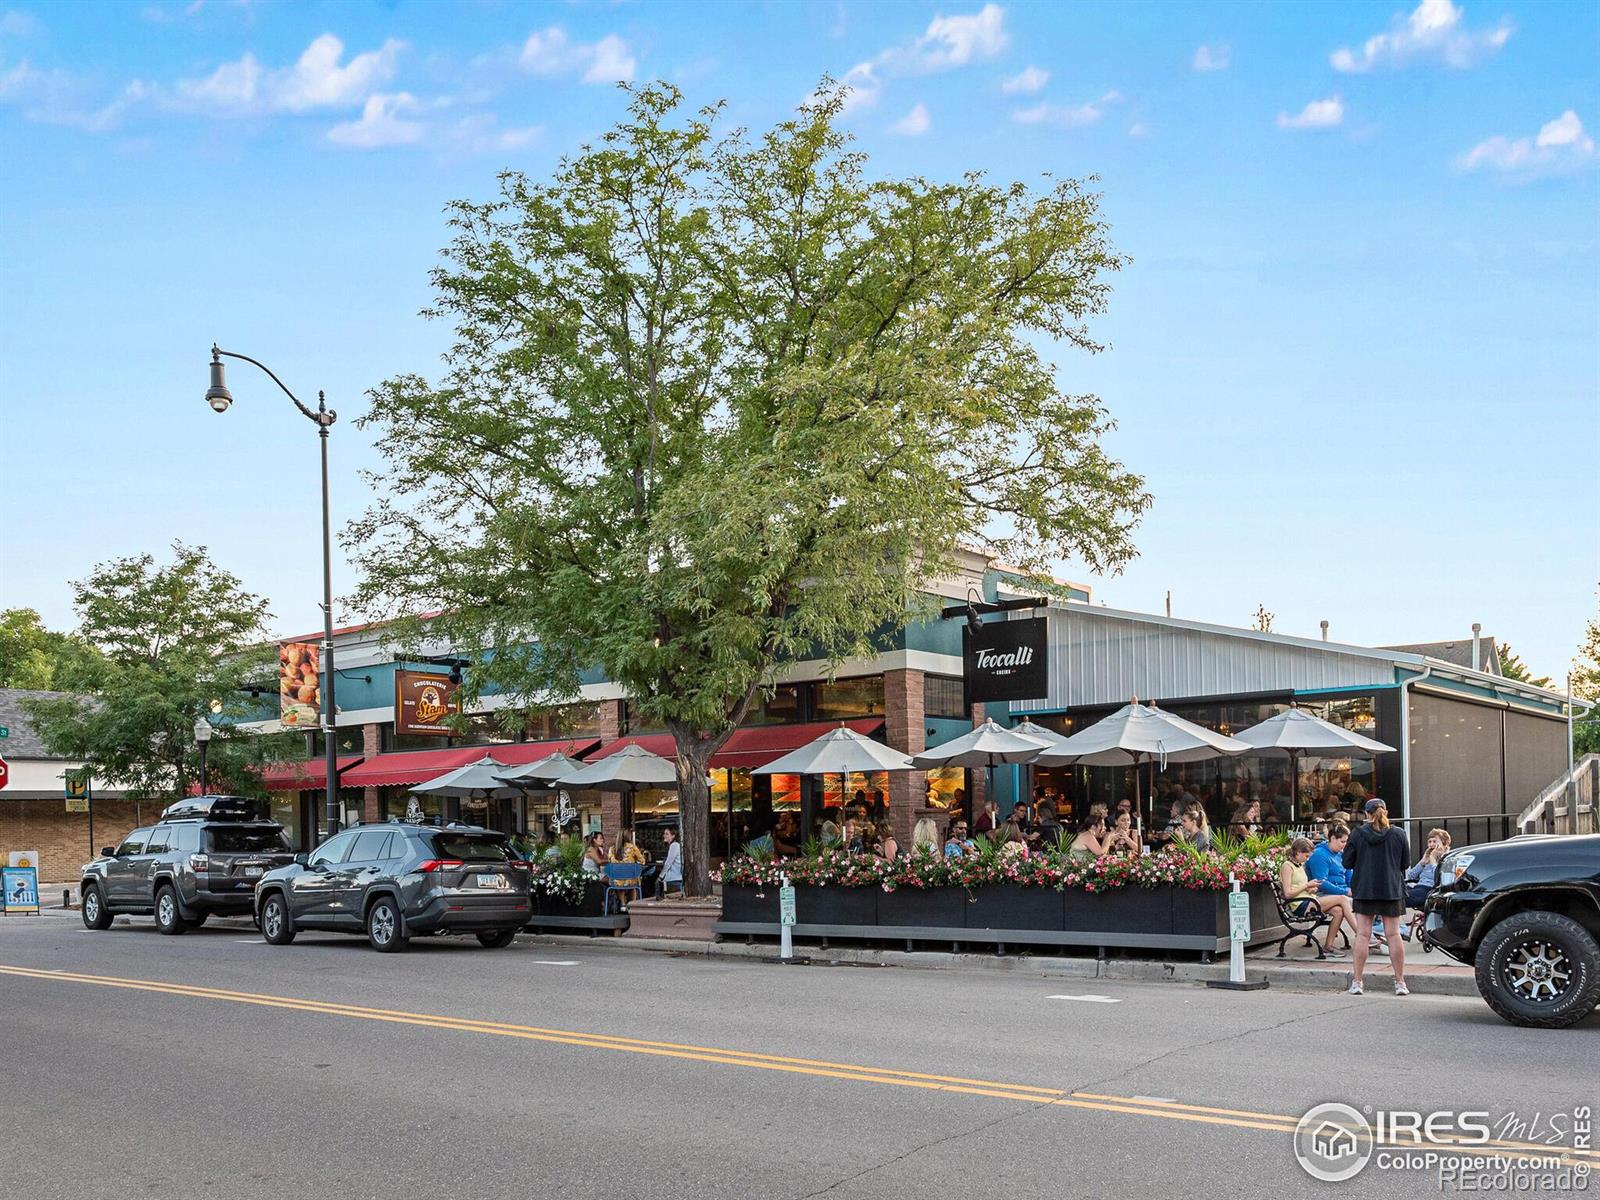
1225 845
760 850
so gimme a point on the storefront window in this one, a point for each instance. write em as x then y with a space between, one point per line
781 708
846 698
946 789
942 696
285 811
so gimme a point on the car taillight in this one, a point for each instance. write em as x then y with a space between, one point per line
441 864
199 863
519 864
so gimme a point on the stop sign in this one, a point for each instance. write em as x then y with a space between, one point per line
5 773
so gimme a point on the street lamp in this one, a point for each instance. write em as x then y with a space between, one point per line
202 738
220 398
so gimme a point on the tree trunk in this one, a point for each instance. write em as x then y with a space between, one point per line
694 807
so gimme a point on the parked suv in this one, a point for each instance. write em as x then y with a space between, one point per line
203 857
395 880
1526 914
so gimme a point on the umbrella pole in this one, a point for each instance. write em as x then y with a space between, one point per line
1138 798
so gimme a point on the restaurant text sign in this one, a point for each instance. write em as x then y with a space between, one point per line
424 702
1006 660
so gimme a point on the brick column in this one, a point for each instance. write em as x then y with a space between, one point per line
371 746
610 720
610 802
906 727
979 776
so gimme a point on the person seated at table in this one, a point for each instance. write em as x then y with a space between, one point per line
627 850
1423 876
925 836
1246 820
957 844
786 836
1191 829
989 819
850 836
830 833
1019 817
594 854
884 844
1015 845
1121 837
1301 892
1091 838
1326 863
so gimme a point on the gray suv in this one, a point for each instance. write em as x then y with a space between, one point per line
393 881
204 856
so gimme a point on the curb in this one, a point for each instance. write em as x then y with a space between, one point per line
1127 970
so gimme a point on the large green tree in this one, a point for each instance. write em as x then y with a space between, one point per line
32 656
715 401
171 639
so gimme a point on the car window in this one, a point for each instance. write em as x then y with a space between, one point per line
400 846
134 842
247 839
371 845
158 840
332 852
469 847
185 838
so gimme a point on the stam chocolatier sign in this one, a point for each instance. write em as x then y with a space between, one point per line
1006 660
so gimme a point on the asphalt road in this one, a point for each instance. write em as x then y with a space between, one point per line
213 1065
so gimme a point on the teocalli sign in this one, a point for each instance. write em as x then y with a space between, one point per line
1006 660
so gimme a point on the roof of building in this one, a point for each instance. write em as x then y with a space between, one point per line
24 741
1458 653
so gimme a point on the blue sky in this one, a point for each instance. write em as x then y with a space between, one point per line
1356 354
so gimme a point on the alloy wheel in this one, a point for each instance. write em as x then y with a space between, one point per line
165 909
91 906
1538 970
271 921
382 924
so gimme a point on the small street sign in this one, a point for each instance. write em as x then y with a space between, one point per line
786 905
5 773
5 731
1239 916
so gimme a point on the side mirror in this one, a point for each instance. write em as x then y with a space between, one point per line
108 851
302 858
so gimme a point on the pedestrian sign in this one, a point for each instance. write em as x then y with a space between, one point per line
786 905
1239 916
21 886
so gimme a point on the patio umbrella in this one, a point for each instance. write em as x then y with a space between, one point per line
478 778
840 752
629 769
1294 732
543 774
986 746
1138 733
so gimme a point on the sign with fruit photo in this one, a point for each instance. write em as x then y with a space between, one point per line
299 685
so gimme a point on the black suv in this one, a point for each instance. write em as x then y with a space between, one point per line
393 881
1526 914
203 857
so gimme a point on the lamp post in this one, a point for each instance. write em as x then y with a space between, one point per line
202 739
219 398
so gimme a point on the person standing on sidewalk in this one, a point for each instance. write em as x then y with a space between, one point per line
1377 856
672 866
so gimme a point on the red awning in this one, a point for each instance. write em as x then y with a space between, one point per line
417 766
298 776
755 746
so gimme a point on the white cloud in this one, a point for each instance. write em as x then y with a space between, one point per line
1319 114
1065 116
915 123
1138 130
18 24
316 80
947 42
1213 58
1026 83
1434 29
57 97
390 119
551 53
1560 145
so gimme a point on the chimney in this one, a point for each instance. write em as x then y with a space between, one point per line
1477 630
1169 602
1324 625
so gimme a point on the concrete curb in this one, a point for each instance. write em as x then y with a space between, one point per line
1126 970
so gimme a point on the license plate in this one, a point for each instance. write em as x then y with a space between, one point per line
252 872
493 881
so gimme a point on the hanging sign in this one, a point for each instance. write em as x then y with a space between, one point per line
299 684
424 702
77 789
1006 660
21 886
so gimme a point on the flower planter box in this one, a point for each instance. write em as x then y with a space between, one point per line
748 904
923 908
1137 910
835 905
1010 906
592 905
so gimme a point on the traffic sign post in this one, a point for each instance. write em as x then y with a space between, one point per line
786 920
5 773
1238 935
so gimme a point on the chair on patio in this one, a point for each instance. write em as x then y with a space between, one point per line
1302 919
623 881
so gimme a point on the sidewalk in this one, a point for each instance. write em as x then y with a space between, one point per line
1427 974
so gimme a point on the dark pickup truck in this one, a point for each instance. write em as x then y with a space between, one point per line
1526 914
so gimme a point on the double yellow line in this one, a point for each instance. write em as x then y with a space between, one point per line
854 1072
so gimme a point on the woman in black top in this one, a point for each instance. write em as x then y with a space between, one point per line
1377 856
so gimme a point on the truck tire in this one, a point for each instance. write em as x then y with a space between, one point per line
168 919
95 913
277 928
1539 969
498 938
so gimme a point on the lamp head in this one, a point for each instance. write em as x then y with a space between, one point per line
218 395
202 731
